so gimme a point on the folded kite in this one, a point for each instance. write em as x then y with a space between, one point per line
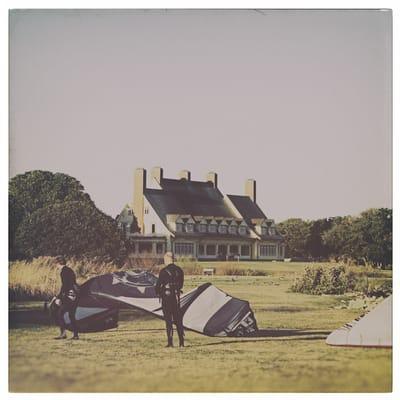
205 309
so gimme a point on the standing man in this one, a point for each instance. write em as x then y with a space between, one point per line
67 299
169 288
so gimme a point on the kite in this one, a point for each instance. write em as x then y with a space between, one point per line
205 309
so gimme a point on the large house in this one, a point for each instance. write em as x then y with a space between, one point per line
195 220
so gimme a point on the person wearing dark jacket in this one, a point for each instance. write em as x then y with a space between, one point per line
169 288
67 299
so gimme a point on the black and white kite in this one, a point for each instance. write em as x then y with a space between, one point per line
206 309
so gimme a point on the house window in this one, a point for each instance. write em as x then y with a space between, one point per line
281 248
146 210
264 231
234 249
233 230
242 230
211 249
222 229
272 231
179 227
268 250
245 250
189 227
184 249
203 228
145 247
201 249
160 248
153 228
212 228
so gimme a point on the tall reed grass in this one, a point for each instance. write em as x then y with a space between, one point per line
39 279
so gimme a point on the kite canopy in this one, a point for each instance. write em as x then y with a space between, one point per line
374 329
205 309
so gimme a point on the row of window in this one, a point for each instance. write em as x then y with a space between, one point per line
147 247
188 249
222 249
267 250
211 228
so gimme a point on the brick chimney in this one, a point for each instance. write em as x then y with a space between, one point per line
157 174
139 187
213 178
250 189
184 174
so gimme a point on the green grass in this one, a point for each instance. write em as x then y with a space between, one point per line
289 356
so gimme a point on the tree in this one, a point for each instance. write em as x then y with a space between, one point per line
339 240
372 236
296 234
16 215
316 247
38 189
71 228
34 190
366 238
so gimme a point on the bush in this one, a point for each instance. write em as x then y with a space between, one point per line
372 288
325 280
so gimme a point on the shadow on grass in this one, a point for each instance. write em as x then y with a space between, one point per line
28 317
272 334
287 333
22 317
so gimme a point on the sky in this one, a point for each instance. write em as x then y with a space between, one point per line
298 100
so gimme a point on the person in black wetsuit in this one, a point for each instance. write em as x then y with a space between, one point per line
169 288
67 299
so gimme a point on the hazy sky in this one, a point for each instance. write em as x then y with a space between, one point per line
298 100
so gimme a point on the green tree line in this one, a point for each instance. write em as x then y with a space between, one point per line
364 239
50 214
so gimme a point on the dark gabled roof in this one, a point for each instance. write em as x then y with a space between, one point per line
187 198
246 207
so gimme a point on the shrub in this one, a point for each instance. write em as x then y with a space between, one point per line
325 280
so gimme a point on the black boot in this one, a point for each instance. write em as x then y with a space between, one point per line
62 335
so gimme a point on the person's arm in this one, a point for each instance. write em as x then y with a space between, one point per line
158 284
62 284
181 279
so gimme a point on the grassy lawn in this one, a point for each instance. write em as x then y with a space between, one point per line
289 355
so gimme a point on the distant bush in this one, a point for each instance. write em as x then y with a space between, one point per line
373 288
234 270
325 280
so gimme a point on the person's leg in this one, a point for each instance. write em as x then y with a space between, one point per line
168 324
61 322
179 326
71 312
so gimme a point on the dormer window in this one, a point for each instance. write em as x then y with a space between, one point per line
264 230
212 227
223 227
233 228
203 226
189 226
242 228
179 225
272 230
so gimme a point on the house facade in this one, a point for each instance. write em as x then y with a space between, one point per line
194 219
